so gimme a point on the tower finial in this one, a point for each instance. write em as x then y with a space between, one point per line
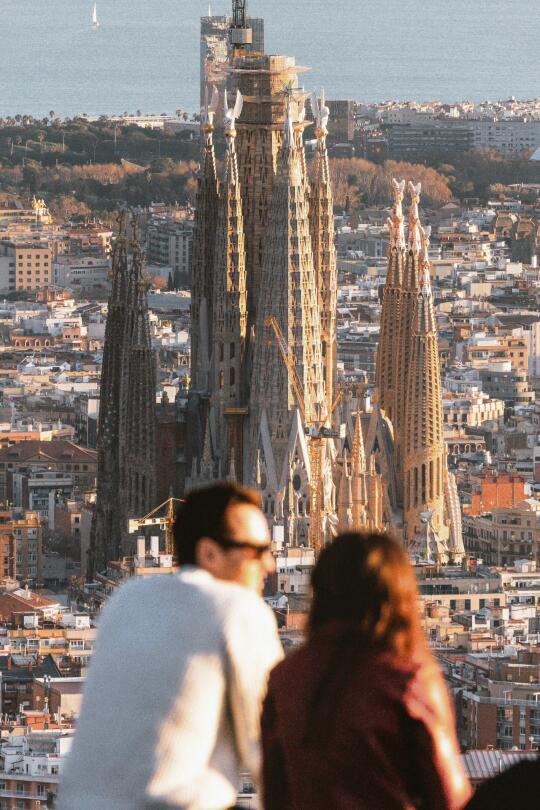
415 243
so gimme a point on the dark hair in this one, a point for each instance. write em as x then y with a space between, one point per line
204 514
366 579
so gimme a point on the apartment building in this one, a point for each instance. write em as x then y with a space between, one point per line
169 244
30 264
21 539
505 535
30 762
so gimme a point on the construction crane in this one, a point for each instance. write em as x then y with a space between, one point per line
240 32
151 519
317 434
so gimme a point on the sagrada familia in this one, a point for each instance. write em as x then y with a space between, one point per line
266 407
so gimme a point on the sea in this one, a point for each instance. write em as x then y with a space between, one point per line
145 53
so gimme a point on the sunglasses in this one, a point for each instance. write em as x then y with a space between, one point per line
258 549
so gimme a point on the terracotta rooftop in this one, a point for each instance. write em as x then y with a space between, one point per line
47 451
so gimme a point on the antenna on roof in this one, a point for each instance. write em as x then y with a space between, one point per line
240 32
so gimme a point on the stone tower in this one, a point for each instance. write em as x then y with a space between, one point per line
203 256
138 403
409 393
321 214
424 461
126 440
279 414
388 377
266 331
106 531
229 310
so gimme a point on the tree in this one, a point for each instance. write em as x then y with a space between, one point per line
177 280
170 283
158 283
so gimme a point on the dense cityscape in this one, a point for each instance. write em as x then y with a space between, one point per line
335 303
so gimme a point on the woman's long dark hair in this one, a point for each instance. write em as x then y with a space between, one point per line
366 579
363 584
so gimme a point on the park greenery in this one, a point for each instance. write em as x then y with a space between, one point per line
83 168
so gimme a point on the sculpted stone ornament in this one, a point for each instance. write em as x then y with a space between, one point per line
321 113
209 110
396 223
415 242
232 113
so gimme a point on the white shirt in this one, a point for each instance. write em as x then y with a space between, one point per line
173 697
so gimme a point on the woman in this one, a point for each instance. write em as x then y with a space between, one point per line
360 716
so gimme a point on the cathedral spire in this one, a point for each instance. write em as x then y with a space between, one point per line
203 251
388 370
359 470
126 440
229 299
424 460
106 527
287 381
346 502
407 308
138 400
321 217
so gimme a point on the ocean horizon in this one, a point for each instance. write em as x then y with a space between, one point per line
145 53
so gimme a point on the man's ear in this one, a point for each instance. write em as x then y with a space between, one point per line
207 554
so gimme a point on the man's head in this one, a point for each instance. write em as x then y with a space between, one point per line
223 530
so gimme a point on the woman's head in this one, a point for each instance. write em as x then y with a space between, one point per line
367 579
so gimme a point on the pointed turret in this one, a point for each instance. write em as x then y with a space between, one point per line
359 470
346 502
424 462
387 367
321 217
375 498
106 532
203 253
411 283
138 401
290 296
230 297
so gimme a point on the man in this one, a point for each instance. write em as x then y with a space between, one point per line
172 701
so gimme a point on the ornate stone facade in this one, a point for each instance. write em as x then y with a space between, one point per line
266 412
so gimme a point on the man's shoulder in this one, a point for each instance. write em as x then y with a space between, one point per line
189 583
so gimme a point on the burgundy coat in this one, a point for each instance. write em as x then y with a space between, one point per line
345 730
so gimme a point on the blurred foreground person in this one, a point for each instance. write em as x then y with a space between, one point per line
517 787
172 703
359 718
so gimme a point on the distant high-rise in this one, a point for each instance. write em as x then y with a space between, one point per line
216 48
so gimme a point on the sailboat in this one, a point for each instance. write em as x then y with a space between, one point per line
95 21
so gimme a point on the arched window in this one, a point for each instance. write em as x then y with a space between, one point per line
232 376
